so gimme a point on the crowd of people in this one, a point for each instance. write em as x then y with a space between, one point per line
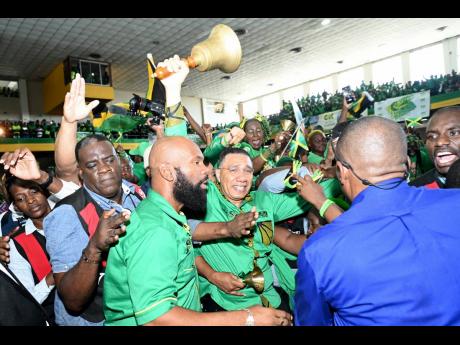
318 104
264 226
6 91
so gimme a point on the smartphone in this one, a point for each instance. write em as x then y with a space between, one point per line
348 94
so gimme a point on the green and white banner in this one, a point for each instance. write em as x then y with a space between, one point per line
329 120
404 107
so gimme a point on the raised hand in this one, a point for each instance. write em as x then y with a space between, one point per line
235 135
242 224
75 107
310 191
173 82
158 129
280 142
21 163
312 167
206 128
227 282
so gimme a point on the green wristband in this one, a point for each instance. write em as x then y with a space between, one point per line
324 207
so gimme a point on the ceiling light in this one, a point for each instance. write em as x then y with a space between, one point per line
325 22
340 61
296 50
95 55
241 32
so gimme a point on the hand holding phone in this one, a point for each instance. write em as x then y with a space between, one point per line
348 94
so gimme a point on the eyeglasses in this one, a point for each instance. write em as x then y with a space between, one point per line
235 171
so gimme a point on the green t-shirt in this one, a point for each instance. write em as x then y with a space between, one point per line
235 255
152 268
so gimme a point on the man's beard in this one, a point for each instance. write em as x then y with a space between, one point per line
192 196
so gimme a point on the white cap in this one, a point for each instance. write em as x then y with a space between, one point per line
146 155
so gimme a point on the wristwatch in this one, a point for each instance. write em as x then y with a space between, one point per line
250 320
47 183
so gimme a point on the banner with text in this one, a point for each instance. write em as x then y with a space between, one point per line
404 107
328 120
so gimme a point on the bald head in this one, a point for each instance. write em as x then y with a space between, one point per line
373 146
178 172
172 150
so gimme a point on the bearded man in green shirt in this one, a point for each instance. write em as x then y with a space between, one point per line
151 278
237 257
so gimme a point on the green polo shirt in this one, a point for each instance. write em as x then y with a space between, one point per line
152 269
235 255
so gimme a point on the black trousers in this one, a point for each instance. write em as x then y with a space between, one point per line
209 305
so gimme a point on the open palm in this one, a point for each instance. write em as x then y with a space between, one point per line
75 107
21 163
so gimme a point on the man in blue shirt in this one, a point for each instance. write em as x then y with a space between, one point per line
82 228
391 259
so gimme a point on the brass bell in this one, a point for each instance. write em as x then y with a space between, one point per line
221 50
287 125
255 279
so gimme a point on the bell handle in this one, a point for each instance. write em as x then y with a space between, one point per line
163 72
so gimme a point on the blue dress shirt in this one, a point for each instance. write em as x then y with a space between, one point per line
391 259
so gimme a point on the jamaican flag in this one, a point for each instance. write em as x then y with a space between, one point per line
364 102
116 118
156 91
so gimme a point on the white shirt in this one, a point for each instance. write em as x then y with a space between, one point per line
67 189
23 271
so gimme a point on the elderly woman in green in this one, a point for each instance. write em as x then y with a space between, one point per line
224 262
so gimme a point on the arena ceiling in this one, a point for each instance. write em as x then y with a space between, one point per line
31 47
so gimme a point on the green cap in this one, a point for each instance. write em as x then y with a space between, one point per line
139 151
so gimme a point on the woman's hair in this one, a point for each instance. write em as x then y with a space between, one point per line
12 180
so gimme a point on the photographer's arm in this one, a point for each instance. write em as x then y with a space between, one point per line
344 112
